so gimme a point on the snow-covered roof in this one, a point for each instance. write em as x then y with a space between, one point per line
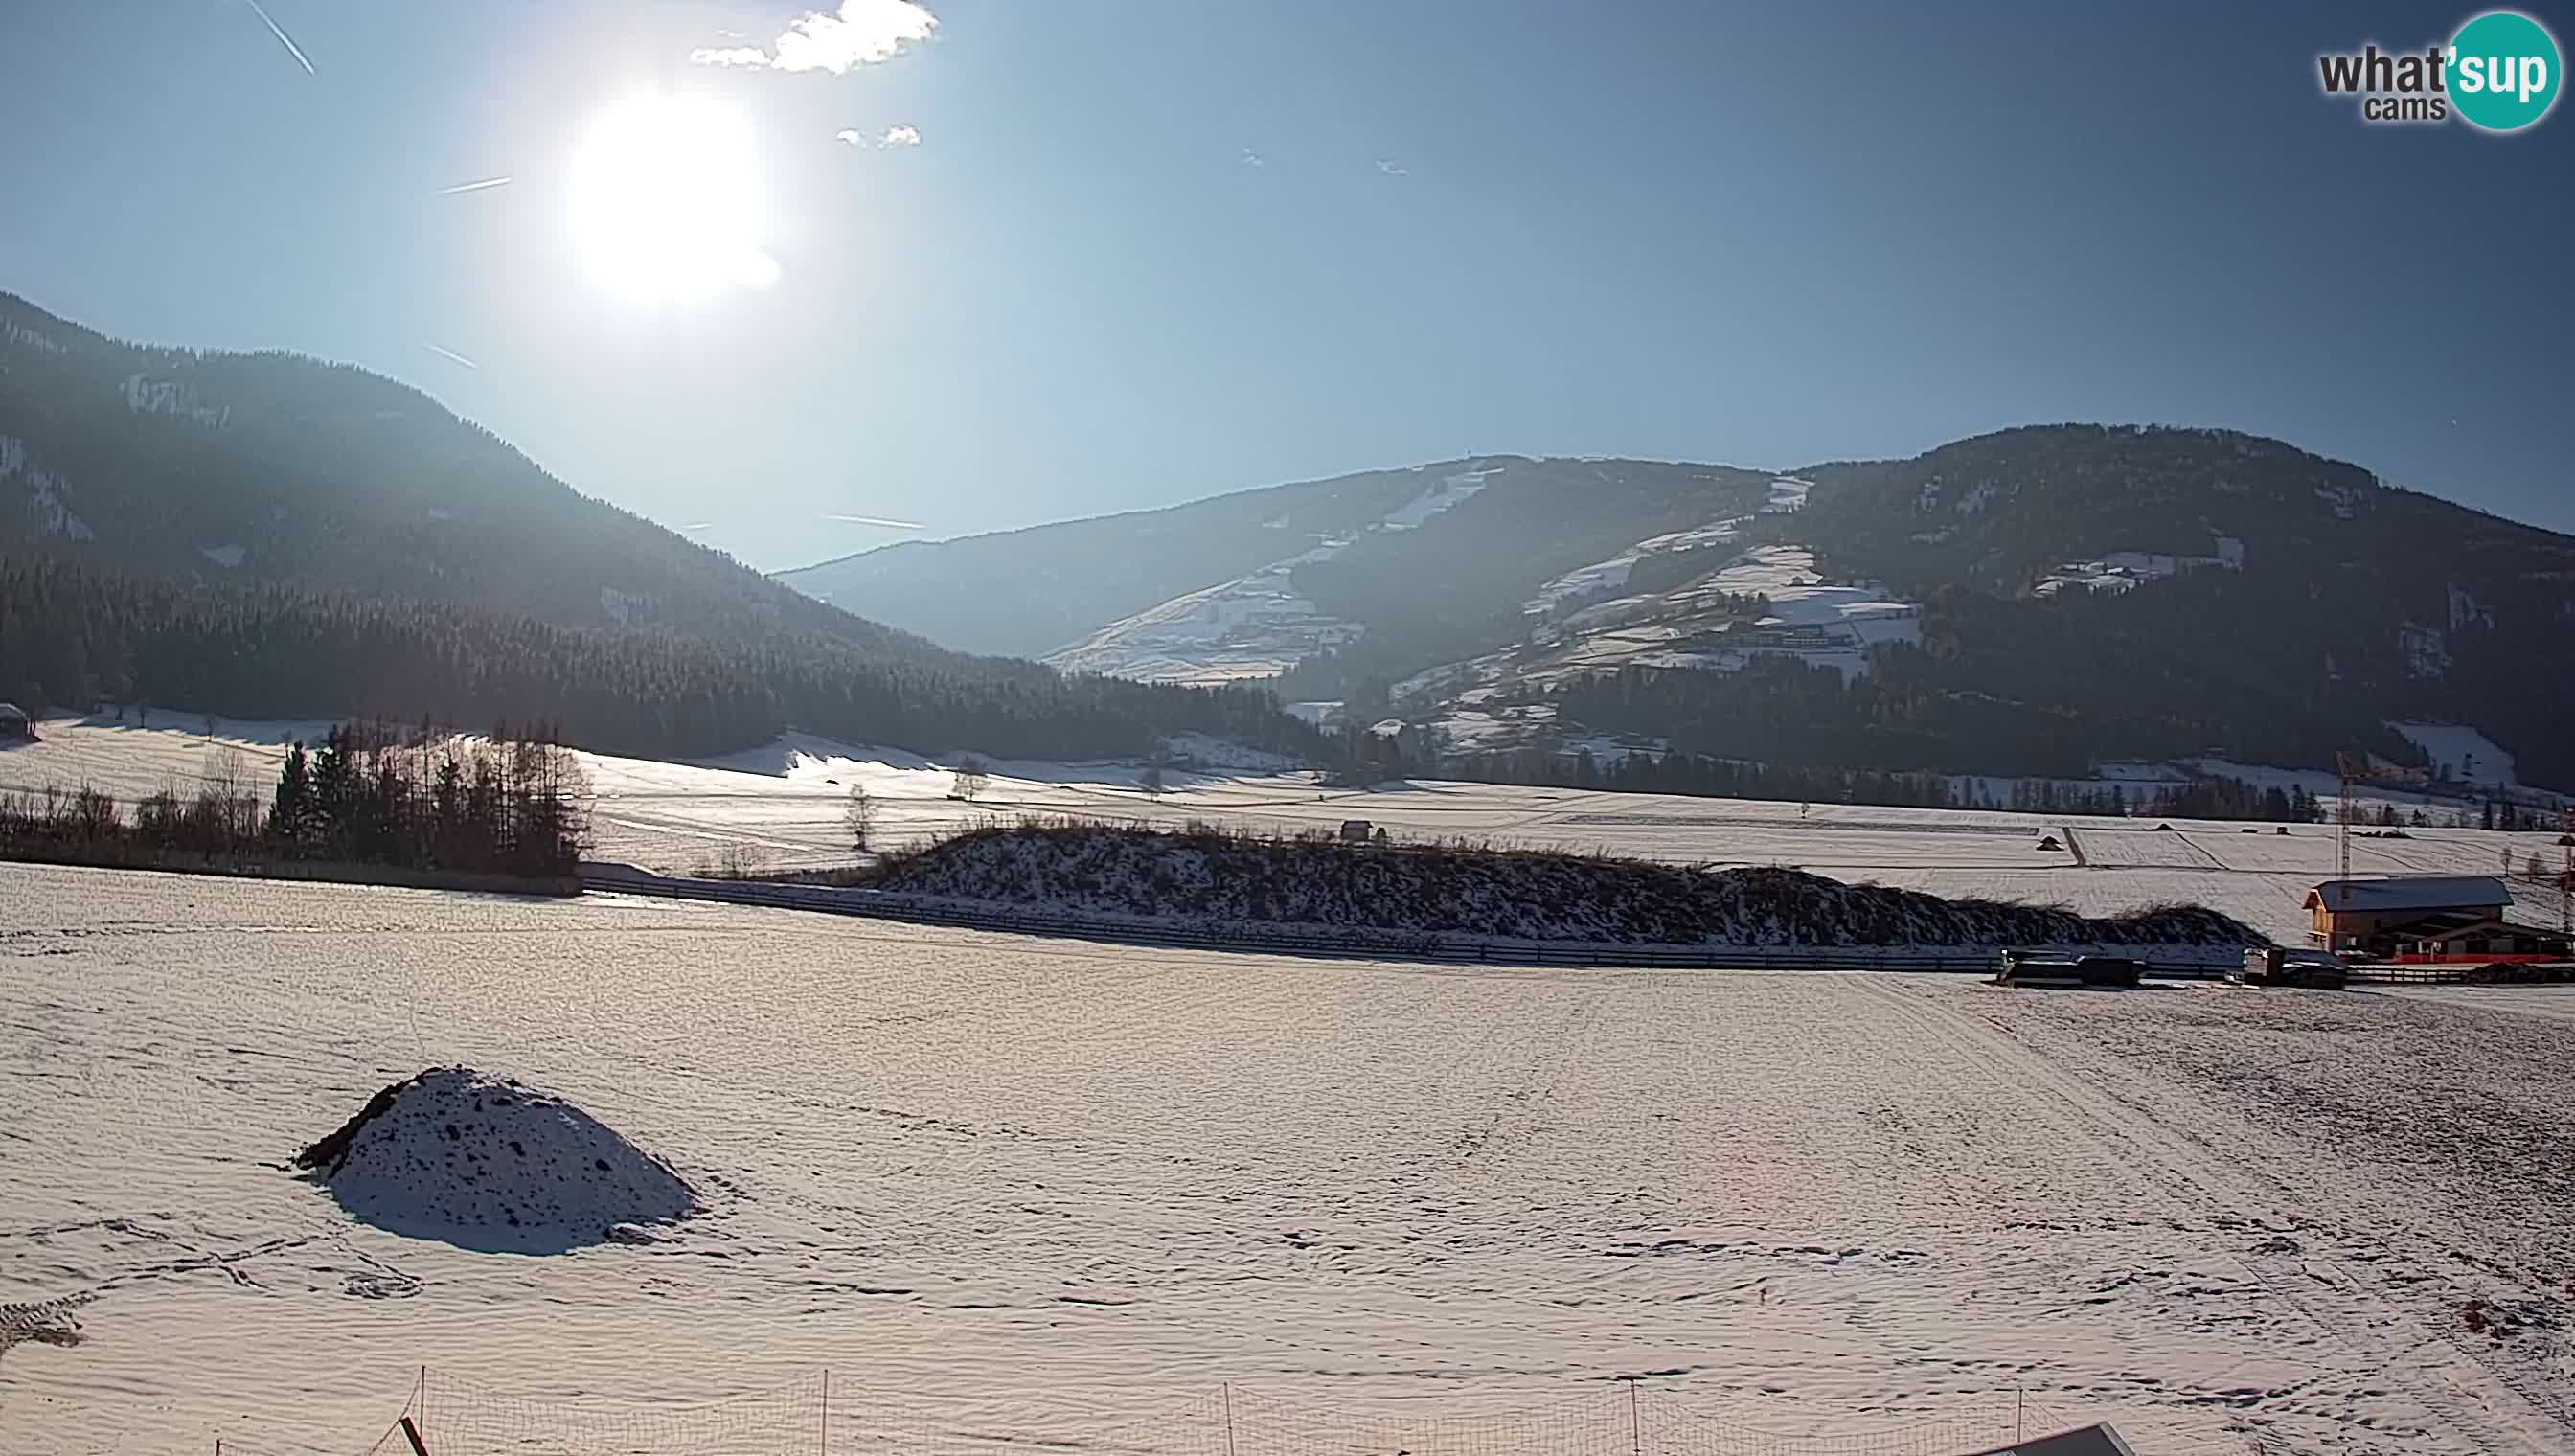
2411 892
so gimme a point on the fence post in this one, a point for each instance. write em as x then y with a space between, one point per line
1227 1388
826 1411
1635 1439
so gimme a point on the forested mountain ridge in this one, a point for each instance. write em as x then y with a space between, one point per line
2032 601
2166 584
70 635
174 465
1999 512
265 535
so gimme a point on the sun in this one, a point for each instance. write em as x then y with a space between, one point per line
666 200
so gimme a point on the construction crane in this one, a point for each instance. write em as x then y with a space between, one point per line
2354 769
2566 878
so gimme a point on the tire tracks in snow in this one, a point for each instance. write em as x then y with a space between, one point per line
2158 1162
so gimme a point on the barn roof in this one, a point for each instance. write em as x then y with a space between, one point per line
2409 892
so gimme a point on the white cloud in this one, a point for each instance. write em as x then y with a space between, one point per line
1252 158
861 33
1393 169
894 136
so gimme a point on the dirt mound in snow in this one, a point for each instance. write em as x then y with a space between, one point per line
487 1164
1213 875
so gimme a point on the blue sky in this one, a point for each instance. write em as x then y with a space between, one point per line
1763 235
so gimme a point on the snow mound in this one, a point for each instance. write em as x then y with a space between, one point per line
486 1163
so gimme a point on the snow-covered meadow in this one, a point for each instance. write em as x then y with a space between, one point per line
780 807
1011 1190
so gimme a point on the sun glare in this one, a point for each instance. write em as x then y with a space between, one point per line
666 200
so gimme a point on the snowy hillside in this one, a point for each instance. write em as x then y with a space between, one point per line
1587 584
2460 752
1254 625
1491 703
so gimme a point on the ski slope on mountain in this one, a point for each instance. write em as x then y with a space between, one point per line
1254 625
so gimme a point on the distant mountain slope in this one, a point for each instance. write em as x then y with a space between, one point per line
174 465
1029 591
2034 601
265 535
1401 553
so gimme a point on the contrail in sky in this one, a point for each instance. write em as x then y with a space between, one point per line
475 186
283 38
878 521
448 354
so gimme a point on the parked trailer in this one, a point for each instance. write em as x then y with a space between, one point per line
2080 972
2272 965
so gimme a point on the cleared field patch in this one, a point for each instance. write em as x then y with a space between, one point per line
2120 845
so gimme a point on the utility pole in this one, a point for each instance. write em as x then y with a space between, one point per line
2342 867
2566 877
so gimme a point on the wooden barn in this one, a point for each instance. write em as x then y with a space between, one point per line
2384 916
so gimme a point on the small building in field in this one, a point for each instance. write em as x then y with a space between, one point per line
1356 831
2365 915
15 726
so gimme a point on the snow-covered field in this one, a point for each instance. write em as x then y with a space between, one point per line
780 807
1012 1191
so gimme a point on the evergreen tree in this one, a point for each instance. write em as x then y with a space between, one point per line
290 817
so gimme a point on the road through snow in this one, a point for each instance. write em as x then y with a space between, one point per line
1012 1191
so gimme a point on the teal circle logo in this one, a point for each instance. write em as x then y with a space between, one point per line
2505 71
